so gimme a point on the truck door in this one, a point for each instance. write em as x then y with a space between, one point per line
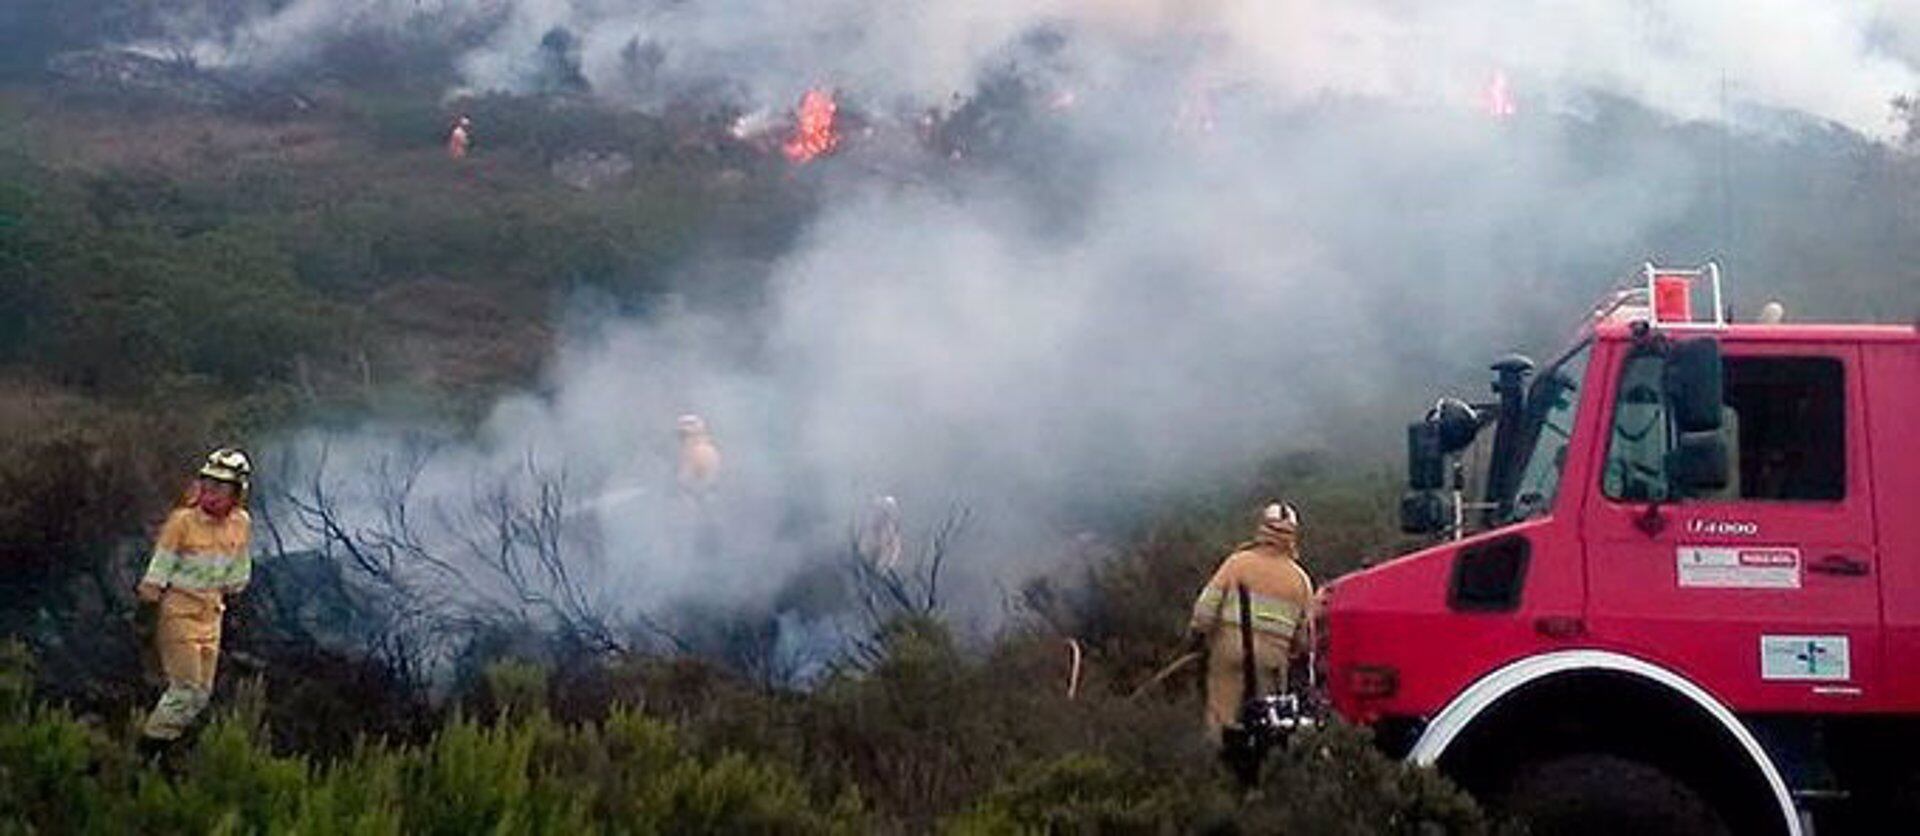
1765 592
1893 375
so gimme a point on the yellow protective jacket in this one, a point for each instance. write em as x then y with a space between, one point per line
1279 590
197 561
202 554
699 463
1280 595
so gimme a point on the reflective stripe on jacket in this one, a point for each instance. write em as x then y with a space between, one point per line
196 551
1270 615
1279 591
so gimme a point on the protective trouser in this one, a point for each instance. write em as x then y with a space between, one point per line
188 639
1226 675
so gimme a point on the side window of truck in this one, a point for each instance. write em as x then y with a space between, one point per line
1637 447
1792 430
1784 422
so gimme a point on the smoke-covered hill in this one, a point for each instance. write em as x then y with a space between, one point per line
1050 269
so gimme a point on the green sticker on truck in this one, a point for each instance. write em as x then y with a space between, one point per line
1805 658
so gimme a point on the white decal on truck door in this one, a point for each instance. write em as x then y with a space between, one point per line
1739 567
1805 658
1724 528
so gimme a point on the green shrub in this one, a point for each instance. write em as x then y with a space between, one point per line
16 680
48 781
1333 780
404 119
516 687
473 778
1081 793
524 776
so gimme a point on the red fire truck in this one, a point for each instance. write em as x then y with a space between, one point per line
1685 595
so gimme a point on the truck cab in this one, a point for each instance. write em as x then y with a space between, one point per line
1686 596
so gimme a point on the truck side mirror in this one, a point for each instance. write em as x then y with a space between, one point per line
1699 463
1426 457
1425 512
1448 428
1693 380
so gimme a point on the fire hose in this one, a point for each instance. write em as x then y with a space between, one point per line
1073 677
1172 668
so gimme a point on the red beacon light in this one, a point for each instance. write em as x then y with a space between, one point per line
1670 293
1672 298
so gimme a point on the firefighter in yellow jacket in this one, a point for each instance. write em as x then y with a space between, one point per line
460 138
699 467
200 558
1280 595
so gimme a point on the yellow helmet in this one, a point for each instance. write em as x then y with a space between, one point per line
228 464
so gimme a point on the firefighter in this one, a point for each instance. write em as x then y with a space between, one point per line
460 138
699 459
878 540
1280 594
200 558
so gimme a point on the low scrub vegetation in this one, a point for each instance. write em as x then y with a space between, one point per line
930 741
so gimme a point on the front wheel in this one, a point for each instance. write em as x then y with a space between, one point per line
1606 795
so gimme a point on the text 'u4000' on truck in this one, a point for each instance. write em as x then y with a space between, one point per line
1690 601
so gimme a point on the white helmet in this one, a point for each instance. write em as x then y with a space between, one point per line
1278 518
229 465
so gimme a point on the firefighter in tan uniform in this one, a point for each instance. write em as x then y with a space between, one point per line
878 539
460 138
698 475
1280 594
200 558
699 467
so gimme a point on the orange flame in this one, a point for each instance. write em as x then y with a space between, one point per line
815 134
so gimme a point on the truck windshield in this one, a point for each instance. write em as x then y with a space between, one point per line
1551 404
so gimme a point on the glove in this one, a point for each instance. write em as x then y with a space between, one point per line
1196 640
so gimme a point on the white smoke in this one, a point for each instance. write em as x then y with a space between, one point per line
1132 304
1838 60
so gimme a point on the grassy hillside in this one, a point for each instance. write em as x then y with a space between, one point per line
175 278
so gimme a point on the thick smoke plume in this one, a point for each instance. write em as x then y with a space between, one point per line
1237 228
1838 61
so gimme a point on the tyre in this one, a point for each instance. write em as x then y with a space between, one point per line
1606 794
